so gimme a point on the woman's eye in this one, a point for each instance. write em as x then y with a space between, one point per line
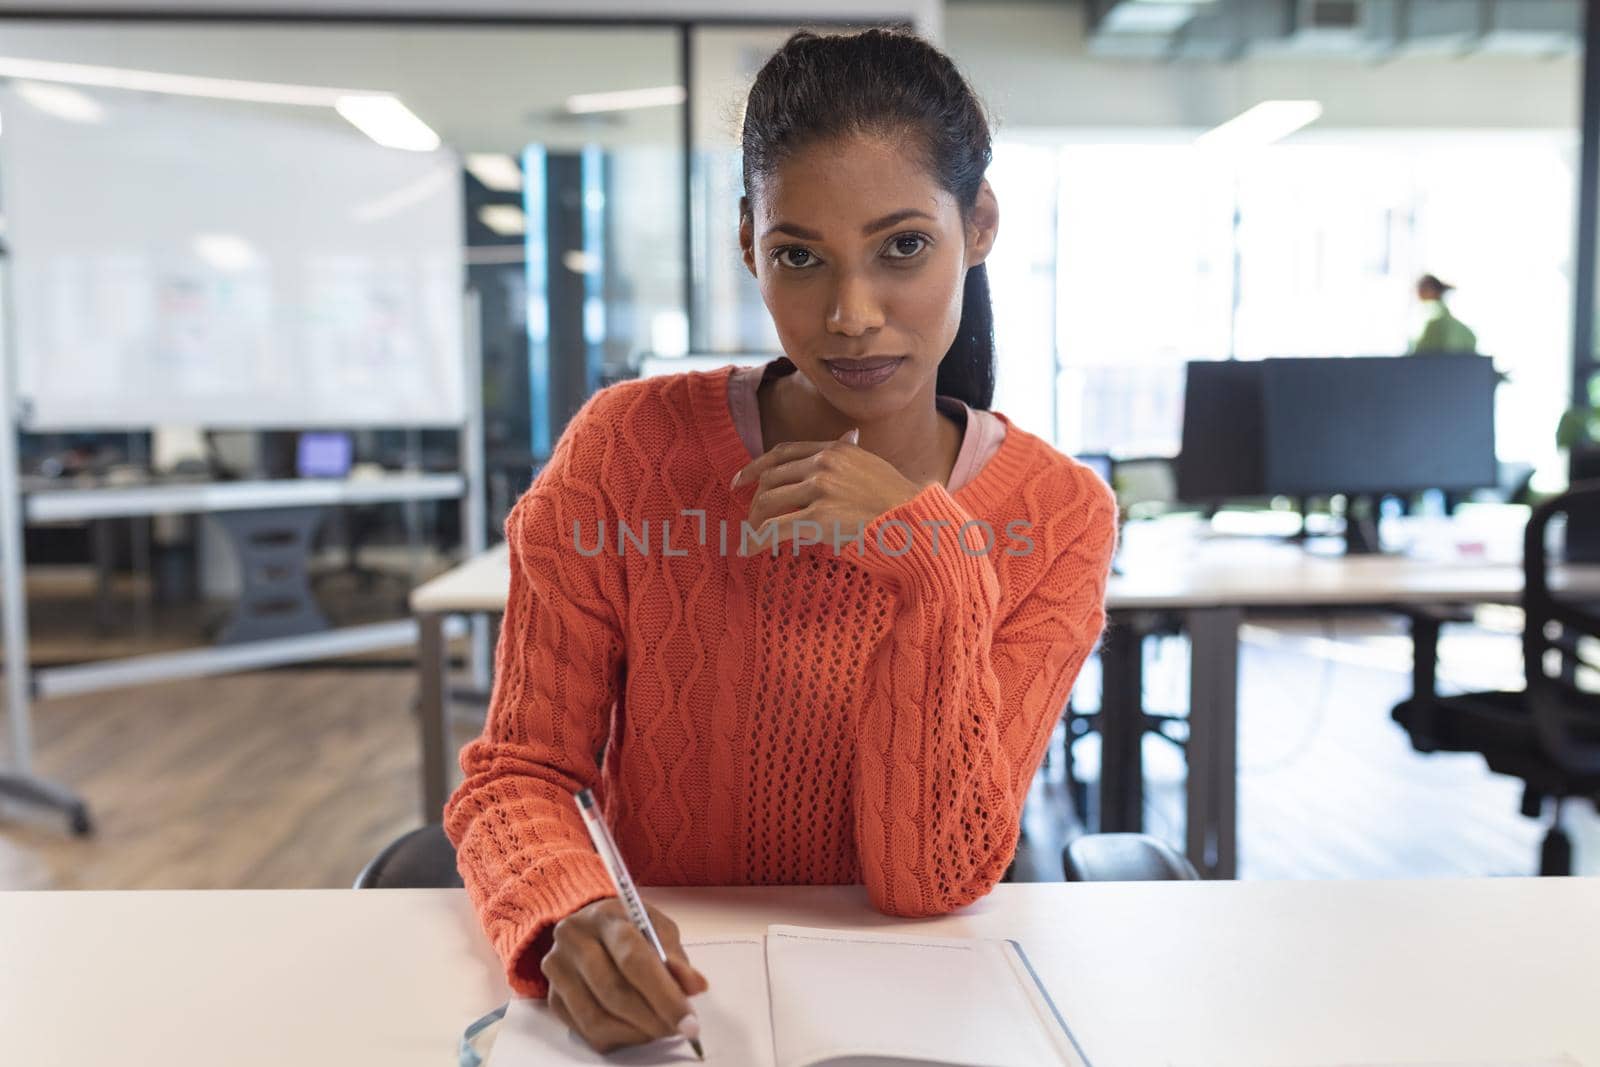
803 257
907 245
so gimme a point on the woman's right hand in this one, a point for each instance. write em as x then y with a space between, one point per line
608 984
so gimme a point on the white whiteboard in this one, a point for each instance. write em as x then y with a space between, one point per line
228 265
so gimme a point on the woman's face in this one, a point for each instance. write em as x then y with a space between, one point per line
861 257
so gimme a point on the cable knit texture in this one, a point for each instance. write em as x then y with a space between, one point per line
874 715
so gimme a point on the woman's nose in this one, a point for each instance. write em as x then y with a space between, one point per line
855 307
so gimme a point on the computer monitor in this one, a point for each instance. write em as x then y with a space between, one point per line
323 455
1099 462
1384 424
1222 418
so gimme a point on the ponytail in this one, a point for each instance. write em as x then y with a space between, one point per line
967 372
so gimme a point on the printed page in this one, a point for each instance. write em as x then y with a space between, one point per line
735 1020
840 997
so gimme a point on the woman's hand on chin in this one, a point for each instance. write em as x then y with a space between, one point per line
818 489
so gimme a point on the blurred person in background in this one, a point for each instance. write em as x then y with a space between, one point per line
1441 330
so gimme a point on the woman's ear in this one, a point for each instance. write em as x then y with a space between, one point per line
747 235
982 225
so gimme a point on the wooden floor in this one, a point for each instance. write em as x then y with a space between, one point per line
294 778
275 780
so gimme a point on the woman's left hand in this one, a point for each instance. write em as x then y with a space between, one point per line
821 482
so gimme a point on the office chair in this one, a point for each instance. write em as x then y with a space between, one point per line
1125 858
1548 733
1146 486
422 858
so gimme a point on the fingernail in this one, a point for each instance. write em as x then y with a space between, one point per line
735 483
853 436
689 1026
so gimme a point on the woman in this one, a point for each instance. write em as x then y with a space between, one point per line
861 689
1441 330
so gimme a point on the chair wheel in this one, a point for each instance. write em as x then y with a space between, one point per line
79 820
1555 855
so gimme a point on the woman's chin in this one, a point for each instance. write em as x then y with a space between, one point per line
869 403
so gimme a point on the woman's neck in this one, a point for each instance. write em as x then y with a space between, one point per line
918 441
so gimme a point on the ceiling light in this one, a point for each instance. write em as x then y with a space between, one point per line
380 116
626 99
496 171
1147 16
506 220
62 101
386 120
1262 125
150 81
580 262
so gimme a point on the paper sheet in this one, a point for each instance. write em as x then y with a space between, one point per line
842 997
734 1020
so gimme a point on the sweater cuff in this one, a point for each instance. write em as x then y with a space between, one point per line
930 545
541 901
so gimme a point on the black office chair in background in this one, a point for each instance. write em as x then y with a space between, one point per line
1548 733
422 858
1145 487
1125 858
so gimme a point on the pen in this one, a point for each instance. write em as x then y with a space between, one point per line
612 858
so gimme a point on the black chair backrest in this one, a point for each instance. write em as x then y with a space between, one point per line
419 859
1566 716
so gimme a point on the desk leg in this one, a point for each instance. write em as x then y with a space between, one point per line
1213 740
1424 654
431 668
1120 796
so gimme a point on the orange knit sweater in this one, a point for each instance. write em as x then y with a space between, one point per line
873 715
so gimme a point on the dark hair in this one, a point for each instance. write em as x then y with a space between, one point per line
1433 284
885 82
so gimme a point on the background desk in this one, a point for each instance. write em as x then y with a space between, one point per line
1167 566
478 586
1239 973
1212 583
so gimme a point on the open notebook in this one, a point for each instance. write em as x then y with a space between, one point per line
800 997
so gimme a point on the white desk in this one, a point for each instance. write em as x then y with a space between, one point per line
1211 582
1236 974
478 586
184 498
1170 566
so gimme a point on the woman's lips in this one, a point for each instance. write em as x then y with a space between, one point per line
864 373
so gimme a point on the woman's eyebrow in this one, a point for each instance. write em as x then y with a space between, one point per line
793 230
889 220
796 230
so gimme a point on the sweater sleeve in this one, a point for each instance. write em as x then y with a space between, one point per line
962 702
522 847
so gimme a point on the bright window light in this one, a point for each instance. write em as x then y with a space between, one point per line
507 220
62 101
496 171
226 252
387 121
1262 125
626 99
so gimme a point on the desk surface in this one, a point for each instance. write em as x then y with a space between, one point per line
480 584
1252 973
1166 566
